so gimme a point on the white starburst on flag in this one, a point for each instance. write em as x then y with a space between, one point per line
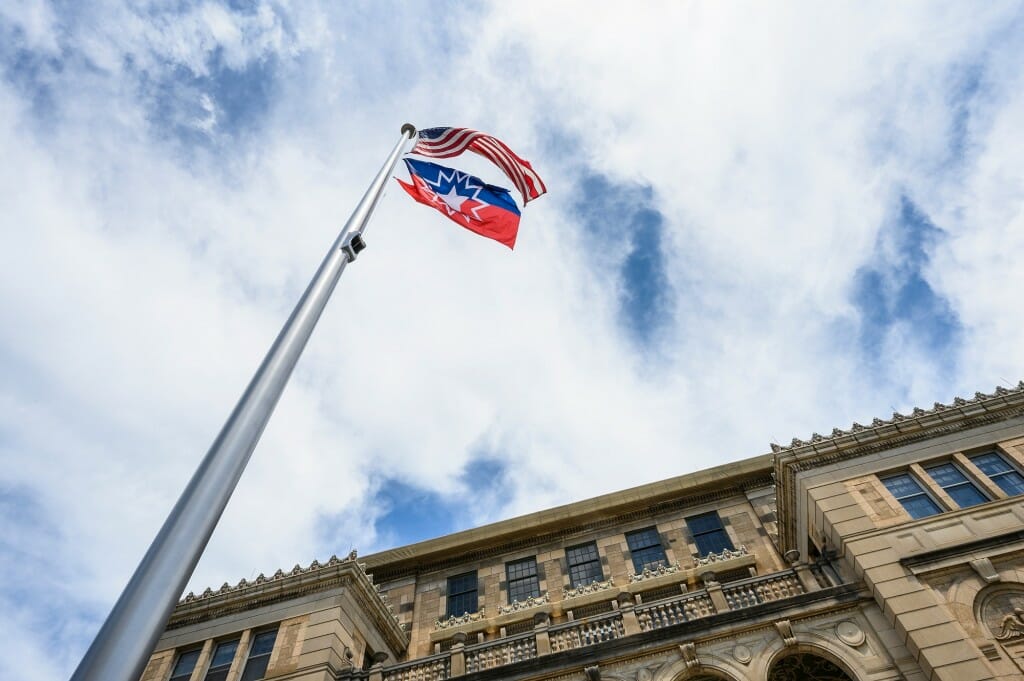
452 201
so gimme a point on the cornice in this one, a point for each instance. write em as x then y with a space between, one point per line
318 577
859 440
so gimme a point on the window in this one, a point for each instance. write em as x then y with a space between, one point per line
909 493
259 655
462 594
220 665
1002 473
183 667
584 564
522 579
956 485
708 533
645 549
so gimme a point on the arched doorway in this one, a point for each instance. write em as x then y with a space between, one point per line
806 667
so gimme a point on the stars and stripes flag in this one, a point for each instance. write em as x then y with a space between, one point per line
444 142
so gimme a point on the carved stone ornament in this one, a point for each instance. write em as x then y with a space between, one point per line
726 554
464 618
985 570
785 630
689 651
593 587
531 602
742 654
849 633
1003 614
657 572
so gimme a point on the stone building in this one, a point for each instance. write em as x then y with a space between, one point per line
893 550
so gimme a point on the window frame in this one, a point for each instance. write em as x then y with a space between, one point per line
924 491
247 667
1011 469
698 537
965 483
225 668
529 578
589 576
452 596
639 551
186 676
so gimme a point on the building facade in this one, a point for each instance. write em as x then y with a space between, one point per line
887 551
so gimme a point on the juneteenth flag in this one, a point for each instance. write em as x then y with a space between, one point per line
445 142
480 207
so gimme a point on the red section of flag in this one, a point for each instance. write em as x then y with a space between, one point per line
483 218
448 142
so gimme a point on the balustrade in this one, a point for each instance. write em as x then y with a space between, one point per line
587 632
433 668
500 652
667 612
748 592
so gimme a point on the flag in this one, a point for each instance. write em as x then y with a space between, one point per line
447 142
480 207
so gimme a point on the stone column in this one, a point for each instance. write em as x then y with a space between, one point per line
714 591
630 623
458 654
541 622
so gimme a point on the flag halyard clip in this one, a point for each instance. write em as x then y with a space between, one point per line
354 246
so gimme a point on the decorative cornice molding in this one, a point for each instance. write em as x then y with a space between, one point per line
921 424
299 581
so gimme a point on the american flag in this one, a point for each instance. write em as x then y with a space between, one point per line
448 142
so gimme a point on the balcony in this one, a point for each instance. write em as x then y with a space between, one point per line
624 618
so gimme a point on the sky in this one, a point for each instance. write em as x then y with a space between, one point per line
762 221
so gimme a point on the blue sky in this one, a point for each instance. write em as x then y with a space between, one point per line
757 227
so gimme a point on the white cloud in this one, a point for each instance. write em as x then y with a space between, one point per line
142 283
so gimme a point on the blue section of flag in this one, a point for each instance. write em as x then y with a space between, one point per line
444 180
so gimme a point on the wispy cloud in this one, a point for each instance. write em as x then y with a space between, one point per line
724 190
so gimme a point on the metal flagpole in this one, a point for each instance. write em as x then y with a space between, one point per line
126 640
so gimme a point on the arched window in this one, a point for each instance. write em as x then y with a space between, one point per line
806 667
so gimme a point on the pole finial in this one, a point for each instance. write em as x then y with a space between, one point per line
409 129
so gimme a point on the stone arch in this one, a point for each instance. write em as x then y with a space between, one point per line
994 604
806 666
833 656
705 671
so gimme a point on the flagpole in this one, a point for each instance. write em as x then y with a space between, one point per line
127 638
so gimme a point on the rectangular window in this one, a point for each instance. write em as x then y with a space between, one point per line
708 533
220 665
522 579
259 655
645 549
911 496
462 594
185 665
956 485
1000 472
584 564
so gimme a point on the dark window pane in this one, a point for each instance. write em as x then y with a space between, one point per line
1002 473
259 656
1012 483
991 463
263 643
184 666
708 533
920 506
645 549
956 485
462 594
706 522
902 486
522 579
966 495
584 564
224 654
